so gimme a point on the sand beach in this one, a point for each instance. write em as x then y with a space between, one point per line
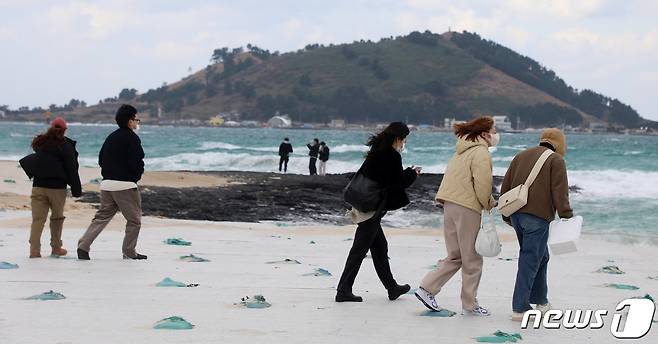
110 300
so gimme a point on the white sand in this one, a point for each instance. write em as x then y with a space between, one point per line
110 300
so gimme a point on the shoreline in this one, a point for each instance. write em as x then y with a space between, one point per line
322 126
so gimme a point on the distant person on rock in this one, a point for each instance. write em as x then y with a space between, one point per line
313 151
122 164
323 157
285 149
383 165
53 166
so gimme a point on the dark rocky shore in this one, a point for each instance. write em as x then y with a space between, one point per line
255 196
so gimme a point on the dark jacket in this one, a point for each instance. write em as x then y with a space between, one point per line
324 154
313 150
386 169
285 149
122 157
56 167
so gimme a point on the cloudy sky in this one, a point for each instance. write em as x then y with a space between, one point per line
52 51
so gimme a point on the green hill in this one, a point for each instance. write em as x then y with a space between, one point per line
421 78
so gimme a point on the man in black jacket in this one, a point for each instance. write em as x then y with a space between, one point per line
284 153
313 151
122 164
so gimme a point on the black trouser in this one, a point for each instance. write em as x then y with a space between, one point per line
283 161
311 166
369 236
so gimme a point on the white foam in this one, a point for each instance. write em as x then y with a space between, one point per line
616 184
218 145
349 148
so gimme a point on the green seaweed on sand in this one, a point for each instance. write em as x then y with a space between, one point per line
193 259
173 323
285 261
319 272
610 269
621 286
444 313
177 242
258 301
500 337
47 296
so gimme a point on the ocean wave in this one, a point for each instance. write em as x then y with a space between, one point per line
633 153
218 145
349 148
432 148
205 146
615 183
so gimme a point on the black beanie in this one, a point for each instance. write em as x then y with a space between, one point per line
124 114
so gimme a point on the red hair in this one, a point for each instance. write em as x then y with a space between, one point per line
473 129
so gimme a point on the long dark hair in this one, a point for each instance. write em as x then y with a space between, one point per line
472 130
52 138
384 140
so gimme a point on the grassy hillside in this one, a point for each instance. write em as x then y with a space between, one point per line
420 78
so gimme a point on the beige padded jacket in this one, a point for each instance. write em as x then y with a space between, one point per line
468 178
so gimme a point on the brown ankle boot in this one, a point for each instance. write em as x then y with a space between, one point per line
35 253
59 252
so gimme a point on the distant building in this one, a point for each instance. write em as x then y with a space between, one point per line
283 121
337 123
250 124
598 127
449 123
502 123
216 121
232 124
2 114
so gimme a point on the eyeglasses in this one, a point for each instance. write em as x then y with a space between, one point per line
136 120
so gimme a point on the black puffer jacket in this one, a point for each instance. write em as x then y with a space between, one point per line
122 157
313 150
55 167
285 149
386 168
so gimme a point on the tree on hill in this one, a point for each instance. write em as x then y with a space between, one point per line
128 94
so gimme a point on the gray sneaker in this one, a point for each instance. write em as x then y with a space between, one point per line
478 311
427 299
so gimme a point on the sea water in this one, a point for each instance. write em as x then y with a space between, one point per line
617 174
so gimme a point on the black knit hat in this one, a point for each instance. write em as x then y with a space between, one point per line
124 114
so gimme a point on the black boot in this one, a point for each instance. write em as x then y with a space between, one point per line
342 296
83 255
136 257
398 290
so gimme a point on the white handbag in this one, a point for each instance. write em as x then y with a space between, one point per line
517 198
487 243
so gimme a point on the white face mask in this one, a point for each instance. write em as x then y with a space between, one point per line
136 128
495 139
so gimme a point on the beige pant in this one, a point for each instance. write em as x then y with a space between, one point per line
43 200
460 226
129 202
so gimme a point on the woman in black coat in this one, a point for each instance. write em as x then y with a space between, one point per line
53 166
383 164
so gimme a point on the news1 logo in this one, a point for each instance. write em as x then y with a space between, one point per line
636 322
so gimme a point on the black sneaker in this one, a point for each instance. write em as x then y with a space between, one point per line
136 257
397 291
347 297
83 255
